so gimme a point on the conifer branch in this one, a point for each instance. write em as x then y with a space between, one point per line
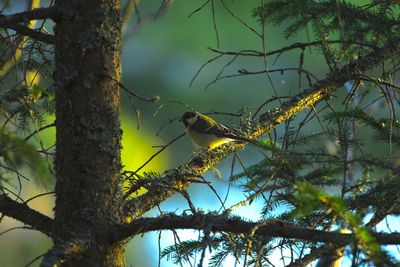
13 21
181 176
26 215
34 14
34 34
221 223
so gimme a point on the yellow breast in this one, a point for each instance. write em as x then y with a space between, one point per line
206 140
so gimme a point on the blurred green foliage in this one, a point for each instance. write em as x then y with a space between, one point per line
163 54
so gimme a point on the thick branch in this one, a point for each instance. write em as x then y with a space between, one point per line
221 223
34 34
181 176
23 213
13 22
34 14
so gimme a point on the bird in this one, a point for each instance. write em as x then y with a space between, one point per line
206 132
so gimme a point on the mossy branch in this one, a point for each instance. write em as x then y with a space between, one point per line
181 177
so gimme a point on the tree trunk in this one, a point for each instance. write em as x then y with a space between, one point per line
88 186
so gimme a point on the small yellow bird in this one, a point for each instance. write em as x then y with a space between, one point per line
206 132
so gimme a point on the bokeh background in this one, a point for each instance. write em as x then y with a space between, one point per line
163 52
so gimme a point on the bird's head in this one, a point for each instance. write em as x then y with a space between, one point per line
189 118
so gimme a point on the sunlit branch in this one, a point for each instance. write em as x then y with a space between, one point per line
267 122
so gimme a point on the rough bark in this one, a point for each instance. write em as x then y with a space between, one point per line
88 229
88 186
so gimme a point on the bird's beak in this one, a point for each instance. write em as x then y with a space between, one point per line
180 119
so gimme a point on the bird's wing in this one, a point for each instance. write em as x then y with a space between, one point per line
219 130
209 126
